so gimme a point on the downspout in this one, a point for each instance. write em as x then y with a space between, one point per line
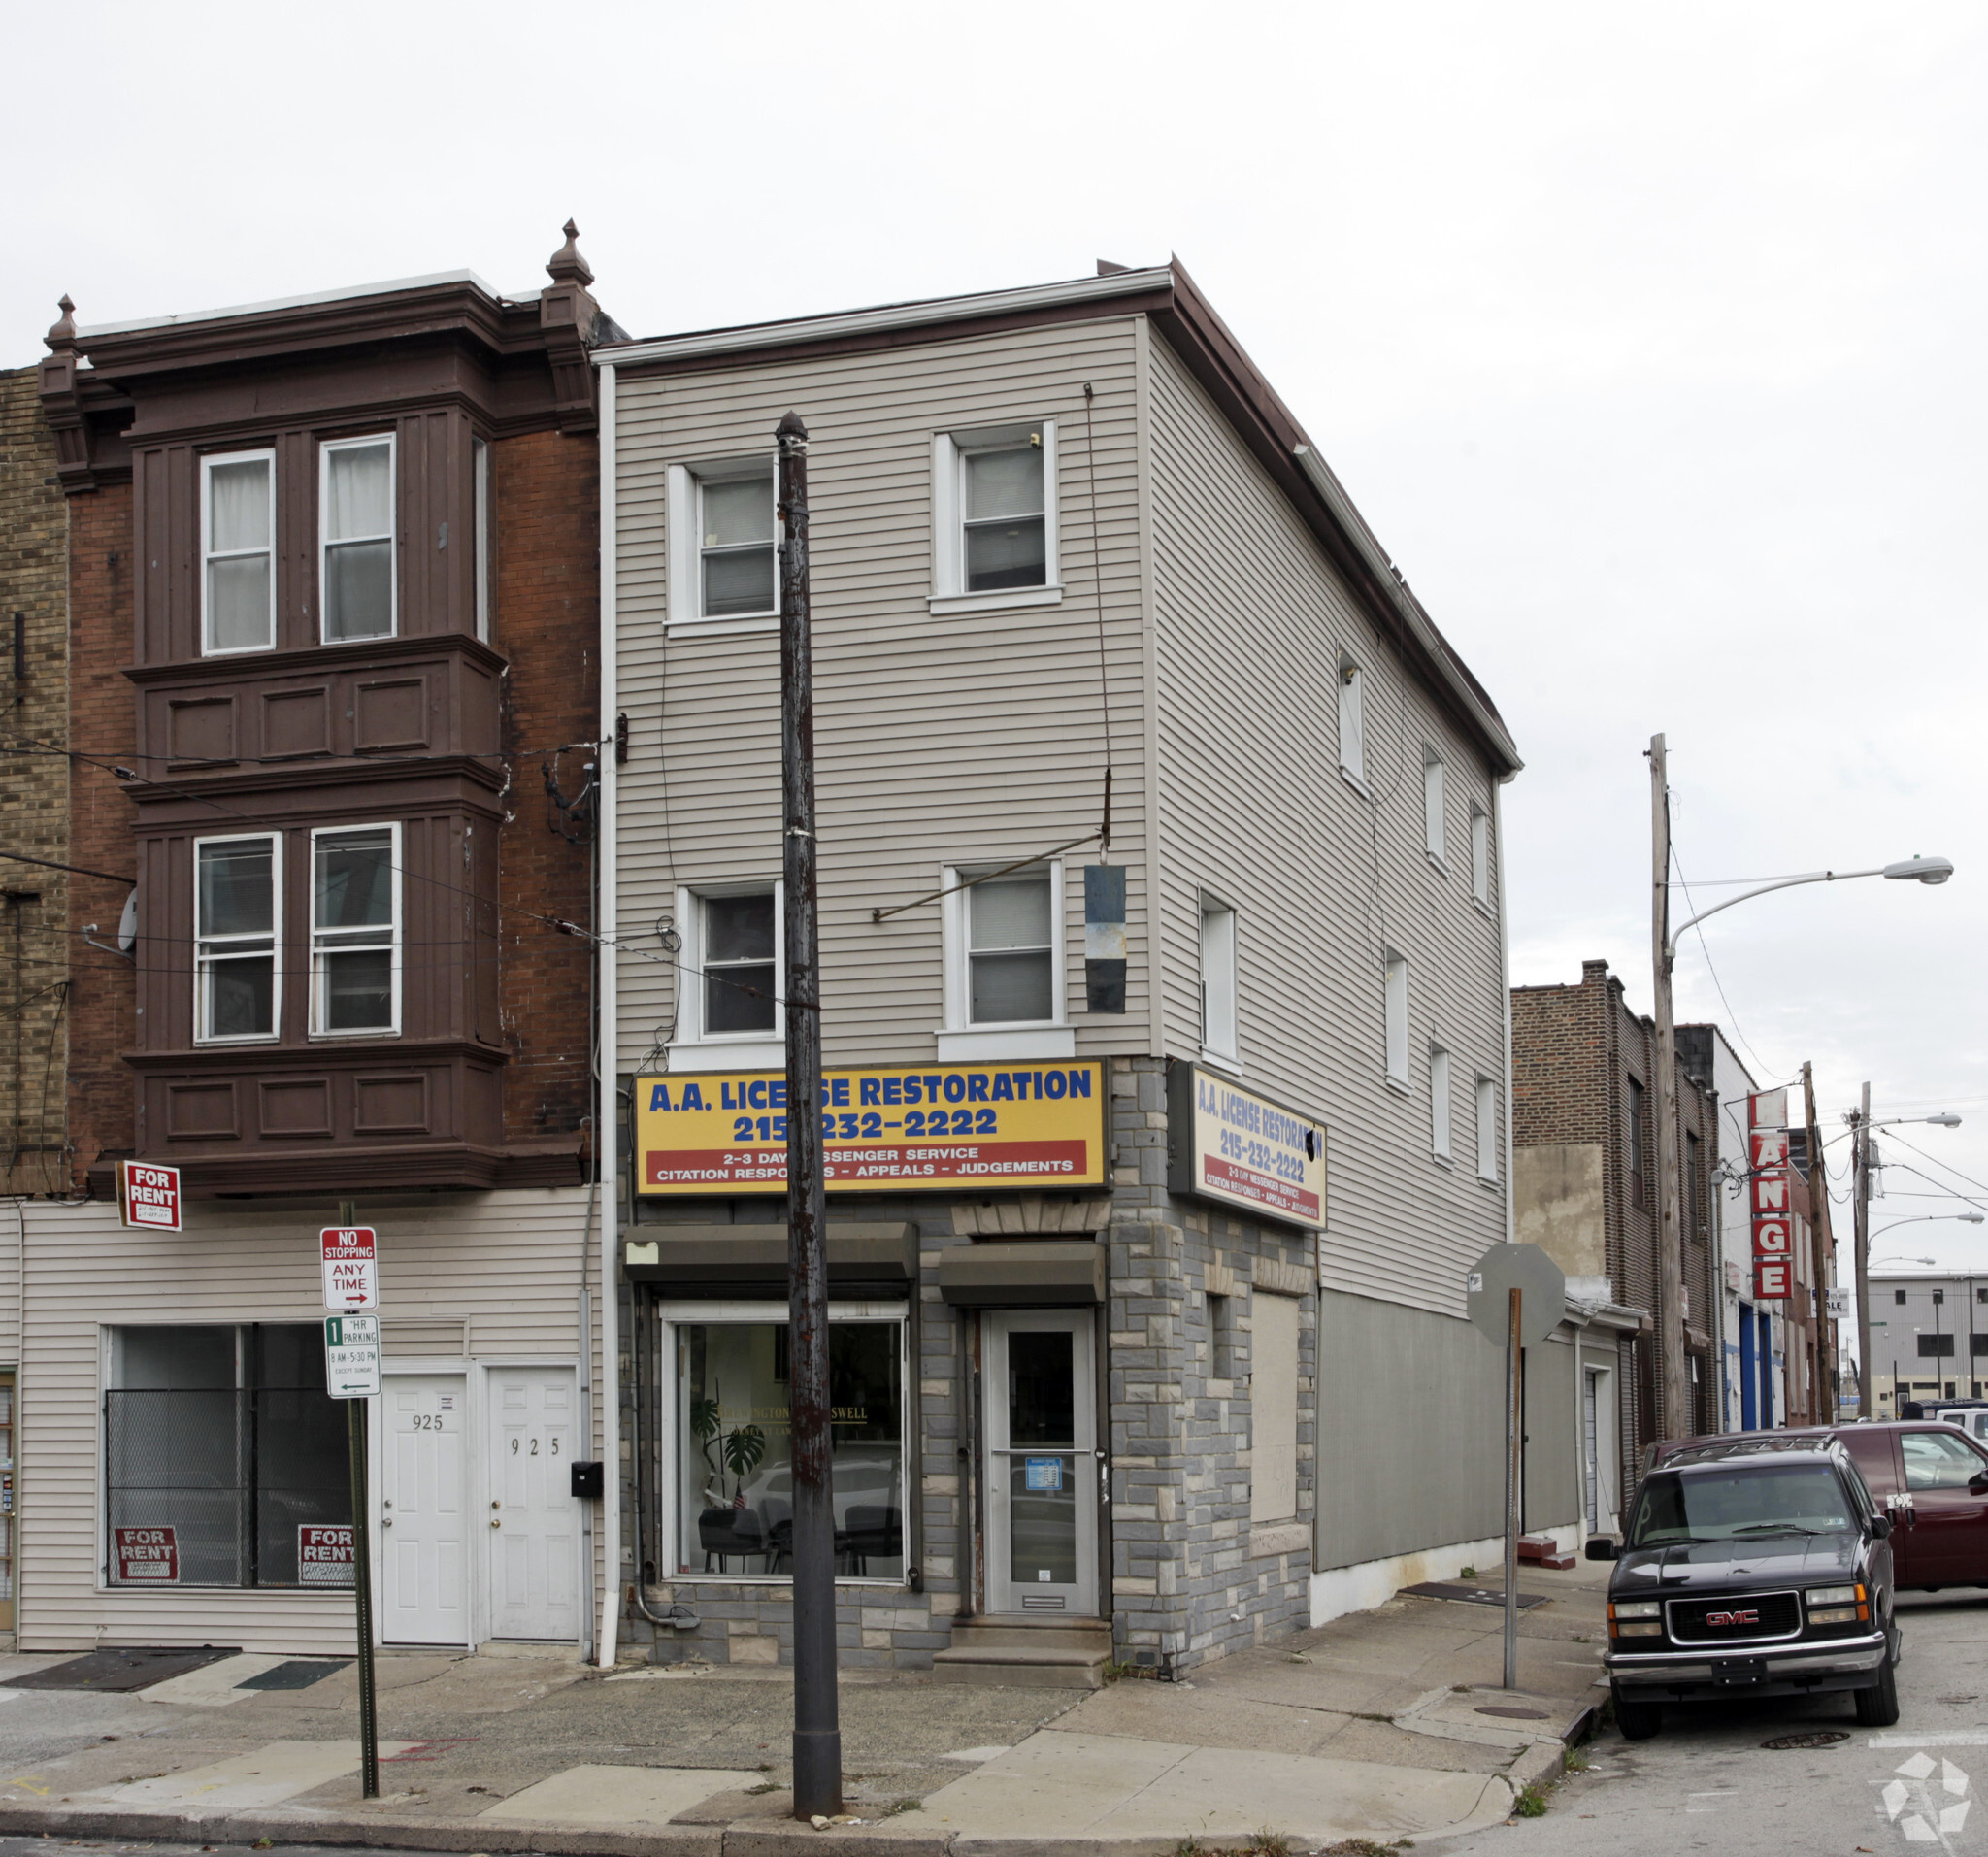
1504 992
607 1047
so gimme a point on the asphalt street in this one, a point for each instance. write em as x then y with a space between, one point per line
1708 1782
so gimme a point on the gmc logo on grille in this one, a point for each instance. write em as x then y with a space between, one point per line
1732 1618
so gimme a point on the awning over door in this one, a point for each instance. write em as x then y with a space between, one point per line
1039 1274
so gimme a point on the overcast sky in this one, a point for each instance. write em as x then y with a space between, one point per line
1649 341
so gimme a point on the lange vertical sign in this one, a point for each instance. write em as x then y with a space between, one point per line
1774 1214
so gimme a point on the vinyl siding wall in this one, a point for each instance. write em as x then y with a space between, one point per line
508 1265
1251 618
974 738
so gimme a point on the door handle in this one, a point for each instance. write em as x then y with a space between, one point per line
387 1522
495 1523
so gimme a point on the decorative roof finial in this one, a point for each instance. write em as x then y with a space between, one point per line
62 337
566 265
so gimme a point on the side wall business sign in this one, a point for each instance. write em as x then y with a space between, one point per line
886 1128
1774 1220
1234 1147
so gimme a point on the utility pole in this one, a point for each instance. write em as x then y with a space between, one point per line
1823 1353
817 1726
1860 1211
1673 1417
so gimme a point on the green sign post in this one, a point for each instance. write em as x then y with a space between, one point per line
351 1373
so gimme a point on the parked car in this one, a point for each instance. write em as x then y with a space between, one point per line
1971 1417
1931 1478
1752 1567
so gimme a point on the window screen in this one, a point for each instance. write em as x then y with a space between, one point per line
1010 960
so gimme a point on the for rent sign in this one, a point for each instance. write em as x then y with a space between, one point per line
1231 1144
885 1129
148 1194
324 1554
145 1555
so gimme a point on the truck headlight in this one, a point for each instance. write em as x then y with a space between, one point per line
1636 1618
1837 1604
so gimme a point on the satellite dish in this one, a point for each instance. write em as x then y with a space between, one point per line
128 926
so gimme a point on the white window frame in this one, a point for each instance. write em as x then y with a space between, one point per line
694 1048
1351 683
683 506
1481 856
391 537
949 452
1441 1115
482 536
274 937
960 1040
1395 1018
1434 818
1220 1042
267 455
1487 1129
395 944
670 1316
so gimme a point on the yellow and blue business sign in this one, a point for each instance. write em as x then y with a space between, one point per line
885 1128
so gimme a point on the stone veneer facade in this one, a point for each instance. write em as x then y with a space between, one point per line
1188 1583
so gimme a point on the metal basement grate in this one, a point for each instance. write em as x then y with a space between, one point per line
1817 1738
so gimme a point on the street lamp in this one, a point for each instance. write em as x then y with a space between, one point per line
1664 956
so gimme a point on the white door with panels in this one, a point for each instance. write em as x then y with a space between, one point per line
424 1505
1039 1398
534 1520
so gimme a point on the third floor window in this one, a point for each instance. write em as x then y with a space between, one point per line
237 526
356 504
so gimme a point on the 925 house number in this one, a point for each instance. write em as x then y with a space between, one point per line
552 1451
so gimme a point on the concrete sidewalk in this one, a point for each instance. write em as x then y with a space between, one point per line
1383 1725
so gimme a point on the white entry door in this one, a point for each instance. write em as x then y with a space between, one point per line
424 1596
534 1530
1042 1461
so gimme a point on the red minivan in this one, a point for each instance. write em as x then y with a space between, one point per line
1931 1480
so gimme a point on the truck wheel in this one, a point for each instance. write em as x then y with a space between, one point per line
1640 1721
1878 1706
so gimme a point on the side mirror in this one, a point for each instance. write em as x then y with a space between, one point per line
1977 1484
1599 1547
1881 1528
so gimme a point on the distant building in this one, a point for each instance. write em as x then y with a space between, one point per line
1928 1338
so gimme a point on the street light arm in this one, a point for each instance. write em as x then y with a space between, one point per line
1747 896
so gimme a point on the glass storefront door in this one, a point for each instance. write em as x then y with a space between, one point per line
1042 1468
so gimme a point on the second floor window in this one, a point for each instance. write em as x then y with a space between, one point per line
357 576
1217 978
1011 958
1434 820
235 900
1480 855
1637 1195
1352 720
237 524
1439 1103
1395 998
740 947
355 930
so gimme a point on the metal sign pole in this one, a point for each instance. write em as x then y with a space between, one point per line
1512 1357
362 1590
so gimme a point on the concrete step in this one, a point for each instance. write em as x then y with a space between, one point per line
1005 1631
1021 1667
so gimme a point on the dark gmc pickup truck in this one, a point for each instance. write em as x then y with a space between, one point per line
1754 1568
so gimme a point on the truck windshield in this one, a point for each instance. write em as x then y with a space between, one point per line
1743 1499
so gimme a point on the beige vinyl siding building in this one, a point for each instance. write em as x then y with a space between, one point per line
1201 583
476 1287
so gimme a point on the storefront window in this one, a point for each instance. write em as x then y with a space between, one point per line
735 1478
225 1460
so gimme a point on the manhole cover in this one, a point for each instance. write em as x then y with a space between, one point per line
1516 1714
1815 1738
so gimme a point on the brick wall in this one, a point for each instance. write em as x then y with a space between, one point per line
34 960
102 720
547 622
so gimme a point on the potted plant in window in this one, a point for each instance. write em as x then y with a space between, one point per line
726 1527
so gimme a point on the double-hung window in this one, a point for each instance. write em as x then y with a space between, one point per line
1487 1129
723 559
1439 1103
1352 720
1435 833
1480 855
994 510
482 536
355 930
738 941
1217 980
356 517
1395 994
237 904
1011 951
237 545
